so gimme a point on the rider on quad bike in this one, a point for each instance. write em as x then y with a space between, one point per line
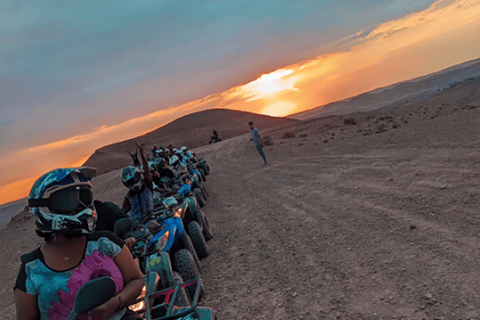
139 198
177 167
214 138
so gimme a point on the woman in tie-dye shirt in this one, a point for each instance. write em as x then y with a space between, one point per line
72 253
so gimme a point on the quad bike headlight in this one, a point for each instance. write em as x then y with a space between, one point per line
163 241
140 306
178 213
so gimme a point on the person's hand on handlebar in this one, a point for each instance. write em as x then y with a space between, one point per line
130 242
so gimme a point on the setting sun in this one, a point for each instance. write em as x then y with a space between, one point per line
279 108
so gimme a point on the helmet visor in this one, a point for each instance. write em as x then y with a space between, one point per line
66 201
130 183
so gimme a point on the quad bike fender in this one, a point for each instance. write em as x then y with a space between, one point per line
185 208
205 313
151 282
160 264
200 313
178 223
192 203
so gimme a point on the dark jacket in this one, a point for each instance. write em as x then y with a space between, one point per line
108 214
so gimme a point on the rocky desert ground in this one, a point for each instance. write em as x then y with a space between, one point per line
363 216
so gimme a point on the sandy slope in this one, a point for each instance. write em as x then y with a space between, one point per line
418 89
193 130
373 220
383 226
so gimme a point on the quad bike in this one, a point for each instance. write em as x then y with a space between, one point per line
156 251
168 310
190 208
157 305
184 188
202 165
197 179
173 217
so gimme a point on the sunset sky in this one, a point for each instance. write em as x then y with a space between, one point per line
77 75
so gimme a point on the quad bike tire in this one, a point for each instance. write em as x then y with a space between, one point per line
198 240
202 220
199 197
204 190
190 247
186 267
182 297
206 169
202 174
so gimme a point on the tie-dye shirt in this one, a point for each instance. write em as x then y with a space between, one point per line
56 289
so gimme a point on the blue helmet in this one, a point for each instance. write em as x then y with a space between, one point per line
62 201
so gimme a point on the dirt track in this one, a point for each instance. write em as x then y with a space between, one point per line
344 222
359 229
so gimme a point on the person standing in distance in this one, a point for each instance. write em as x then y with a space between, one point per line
257 139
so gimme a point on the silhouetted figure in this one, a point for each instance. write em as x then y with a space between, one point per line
214 138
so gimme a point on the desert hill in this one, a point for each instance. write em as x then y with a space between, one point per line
193 130
417 89
370 215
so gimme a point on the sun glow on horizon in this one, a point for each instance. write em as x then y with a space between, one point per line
279 108
268 84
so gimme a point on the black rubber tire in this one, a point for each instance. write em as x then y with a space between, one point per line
190 247
202 220
186 267
204 194
198 240
206 169
202 173
182 297
204 190
199 196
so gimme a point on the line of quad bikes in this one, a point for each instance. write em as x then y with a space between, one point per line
169 256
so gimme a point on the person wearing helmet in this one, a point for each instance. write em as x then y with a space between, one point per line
160 153
163 170
155 151
139 198
73 253
179 154
188 155
177 167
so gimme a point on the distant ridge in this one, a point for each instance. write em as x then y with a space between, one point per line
193 130
399 93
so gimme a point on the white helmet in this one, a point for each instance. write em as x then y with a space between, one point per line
174 161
